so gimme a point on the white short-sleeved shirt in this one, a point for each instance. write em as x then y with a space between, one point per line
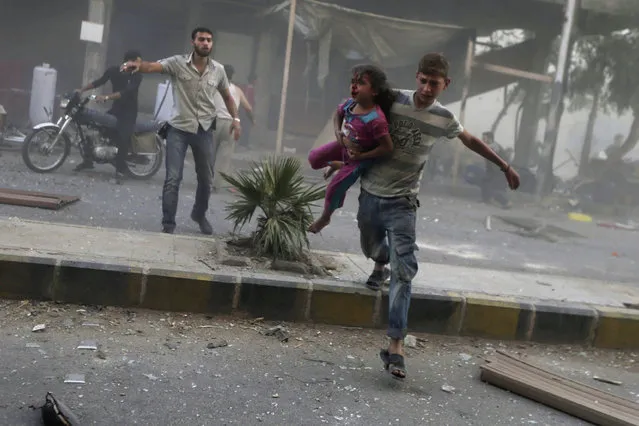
193 93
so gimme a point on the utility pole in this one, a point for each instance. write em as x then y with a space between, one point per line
545 171
287 69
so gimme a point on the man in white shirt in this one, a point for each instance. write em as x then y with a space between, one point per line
224 140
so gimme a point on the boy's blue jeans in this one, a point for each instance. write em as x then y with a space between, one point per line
387 235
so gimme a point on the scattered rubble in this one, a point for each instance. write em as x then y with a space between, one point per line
448 389
39 328
91 345
217 343
465 357
235 261
279 332
289 266
75 378
608 381
410 341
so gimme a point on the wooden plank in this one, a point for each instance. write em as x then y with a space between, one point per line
40 194
514 72
567 396
537 391
561 393
35 199
24 200
539 372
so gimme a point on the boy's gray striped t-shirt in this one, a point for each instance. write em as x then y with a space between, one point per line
414 132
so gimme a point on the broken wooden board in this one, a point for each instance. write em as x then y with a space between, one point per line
574 398
35 199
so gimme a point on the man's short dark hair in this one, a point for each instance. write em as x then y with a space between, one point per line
230 71
434 64
200 30
132 55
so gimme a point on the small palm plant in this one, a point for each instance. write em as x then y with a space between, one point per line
276 187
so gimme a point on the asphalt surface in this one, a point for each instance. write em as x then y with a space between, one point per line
156 368
450 230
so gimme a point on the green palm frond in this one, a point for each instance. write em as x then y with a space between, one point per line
276 187
242 210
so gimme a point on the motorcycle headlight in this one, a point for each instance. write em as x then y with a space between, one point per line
64 103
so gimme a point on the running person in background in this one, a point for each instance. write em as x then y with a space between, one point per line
224 140
362 120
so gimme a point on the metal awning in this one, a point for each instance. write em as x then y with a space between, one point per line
609 7
382 39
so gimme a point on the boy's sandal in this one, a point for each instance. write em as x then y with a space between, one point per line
394 364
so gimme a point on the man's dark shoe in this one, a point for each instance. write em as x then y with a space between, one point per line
378 279
85 165
119 177
205 226
168 229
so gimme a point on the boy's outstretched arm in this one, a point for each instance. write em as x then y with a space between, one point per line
477 145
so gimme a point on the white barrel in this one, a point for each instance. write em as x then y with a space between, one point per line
43 88
164 110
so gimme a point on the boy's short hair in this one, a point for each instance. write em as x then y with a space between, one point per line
434 64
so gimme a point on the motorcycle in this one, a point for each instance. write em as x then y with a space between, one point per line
95 136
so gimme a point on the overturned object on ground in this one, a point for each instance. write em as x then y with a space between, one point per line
56 413
577 399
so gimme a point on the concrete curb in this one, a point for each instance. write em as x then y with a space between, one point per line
285 298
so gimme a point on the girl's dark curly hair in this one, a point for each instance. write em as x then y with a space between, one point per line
385 96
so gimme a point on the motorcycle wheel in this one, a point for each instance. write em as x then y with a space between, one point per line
153 162
44 136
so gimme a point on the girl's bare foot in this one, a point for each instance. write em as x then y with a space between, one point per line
319 224
328 172
332 168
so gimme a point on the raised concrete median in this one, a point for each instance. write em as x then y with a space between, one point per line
94 266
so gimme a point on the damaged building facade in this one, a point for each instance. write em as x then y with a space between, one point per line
329 38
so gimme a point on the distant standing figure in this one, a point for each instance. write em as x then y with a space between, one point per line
249 92
493 186
225 145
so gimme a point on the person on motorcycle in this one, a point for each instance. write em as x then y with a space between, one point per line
125 108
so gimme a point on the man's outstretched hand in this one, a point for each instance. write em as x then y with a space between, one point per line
512 177
131 66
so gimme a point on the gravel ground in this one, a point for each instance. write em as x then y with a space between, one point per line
156 368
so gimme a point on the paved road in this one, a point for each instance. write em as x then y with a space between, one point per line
155 368
450 230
